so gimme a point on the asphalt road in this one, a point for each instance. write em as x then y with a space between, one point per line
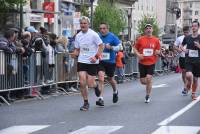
61 115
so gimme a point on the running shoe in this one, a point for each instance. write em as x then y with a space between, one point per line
85 107
147 99
115 97
97 91
100 102
184 92
194 97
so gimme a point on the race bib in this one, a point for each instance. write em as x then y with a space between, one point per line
193 53
148 52
105 56
85 51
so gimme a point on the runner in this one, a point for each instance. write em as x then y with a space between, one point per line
147 48
88 48
177 44
108 63
192 60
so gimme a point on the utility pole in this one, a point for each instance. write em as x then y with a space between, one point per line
21 18
92 12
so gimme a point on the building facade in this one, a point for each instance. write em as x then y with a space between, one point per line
190 11
141 8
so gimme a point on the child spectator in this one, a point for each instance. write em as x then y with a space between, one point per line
120 61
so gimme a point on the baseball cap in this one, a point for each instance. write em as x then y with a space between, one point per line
148 25
31 29
14 29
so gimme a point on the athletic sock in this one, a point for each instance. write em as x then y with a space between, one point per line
86 102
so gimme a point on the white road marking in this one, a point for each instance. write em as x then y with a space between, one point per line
177 114
160 85
177 130
97 130
26 129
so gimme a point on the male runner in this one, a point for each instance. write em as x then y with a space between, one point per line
192 60
147 48
88 48
108 62
177 44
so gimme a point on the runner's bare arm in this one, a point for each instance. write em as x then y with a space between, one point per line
98 54
183 48
197 44
140 56
75 53
178 49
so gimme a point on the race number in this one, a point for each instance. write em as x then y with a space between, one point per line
105 56
148 52
85 51
193 53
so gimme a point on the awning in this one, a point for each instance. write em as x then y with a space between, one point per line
42 11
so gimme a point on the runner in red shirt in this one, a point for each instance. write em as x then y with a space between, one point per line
147 48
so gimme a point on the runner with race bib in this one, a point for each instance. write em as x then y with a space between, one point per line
192 59
147 48
108 62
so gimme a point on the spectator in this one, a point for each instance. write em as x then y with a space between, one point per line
8 46
71 45
51 55
26 38
61 44
61 47
7 43
39 42
120 61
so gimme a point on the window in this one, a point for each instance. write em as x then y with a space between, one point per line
33 4
196 12
190 13
190 4
190 22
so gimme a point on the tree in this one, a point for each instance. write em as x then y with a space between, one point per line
107 12
84 10
148 20
6 5
8 9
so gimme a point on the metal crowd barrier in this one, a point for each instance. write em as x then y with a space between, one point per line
32 73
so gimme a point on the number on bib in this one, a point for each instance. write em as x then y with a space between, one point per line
105 56
193 53
148 52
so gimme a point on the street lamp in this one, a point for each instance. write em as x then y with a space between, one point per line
91 2
129 11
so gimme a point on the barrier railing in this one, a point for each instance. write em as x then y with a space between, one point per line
32 73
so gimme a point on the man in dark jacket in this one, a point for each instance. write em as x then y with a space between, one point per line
7 43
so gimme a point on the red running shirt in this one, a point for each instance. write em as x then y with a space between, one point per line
147 46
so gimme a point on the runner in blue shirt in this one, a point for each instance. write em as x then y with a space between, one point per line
108 62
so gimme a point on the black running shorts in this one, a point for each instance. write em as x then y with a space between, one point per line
91 69
182 62
146 69
108 68
193 67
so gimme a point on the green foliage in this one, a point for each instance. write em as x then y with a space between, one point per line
5 5
107 12
148 20
84 10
